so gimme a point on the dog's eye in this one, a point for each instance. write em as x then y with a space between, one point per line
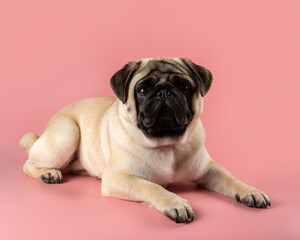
142 92
184 88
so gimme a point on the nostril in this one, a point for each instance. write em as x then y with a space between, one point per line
160 93
164 93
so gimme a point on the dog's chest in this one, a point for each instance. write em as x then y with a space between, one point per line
164 166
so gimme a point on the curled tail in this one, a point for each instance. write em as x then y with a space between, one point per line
28 140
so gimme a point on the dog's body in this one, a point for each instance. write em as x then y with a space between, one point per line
148 137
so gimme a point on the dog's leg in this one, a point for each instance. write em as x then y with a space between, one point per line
53 150
75 167
133 188
220 180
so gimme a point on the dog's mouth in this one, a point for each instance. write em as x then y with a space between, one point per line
168 118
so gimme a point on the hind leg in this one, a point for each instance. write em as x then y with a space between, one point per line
53 150
47 175
75 167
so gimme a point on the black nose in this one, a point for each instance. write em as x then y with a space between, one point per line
163 93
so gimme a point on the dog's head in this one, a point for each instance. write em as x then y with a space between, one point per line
162 95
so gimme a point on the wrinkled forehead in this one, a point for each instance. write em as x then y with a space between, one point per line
164 66
162 69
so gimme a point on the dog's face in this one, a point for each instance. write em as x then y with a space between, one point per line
162 95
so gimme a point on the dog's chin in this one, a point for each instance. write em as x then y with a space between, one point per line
165 125
163 133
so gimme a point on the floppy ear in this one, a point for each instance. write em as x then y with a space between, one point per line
202 75
120 81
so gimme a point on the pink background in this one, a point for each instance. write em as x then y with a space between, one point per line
55 52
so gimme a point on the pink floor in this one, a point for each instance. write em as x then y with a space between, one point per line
55 52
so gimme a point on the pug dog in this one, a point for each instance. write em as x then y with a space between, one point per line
138 143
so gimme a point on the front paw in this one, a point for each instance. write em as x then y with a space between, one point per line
253 198
177 209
